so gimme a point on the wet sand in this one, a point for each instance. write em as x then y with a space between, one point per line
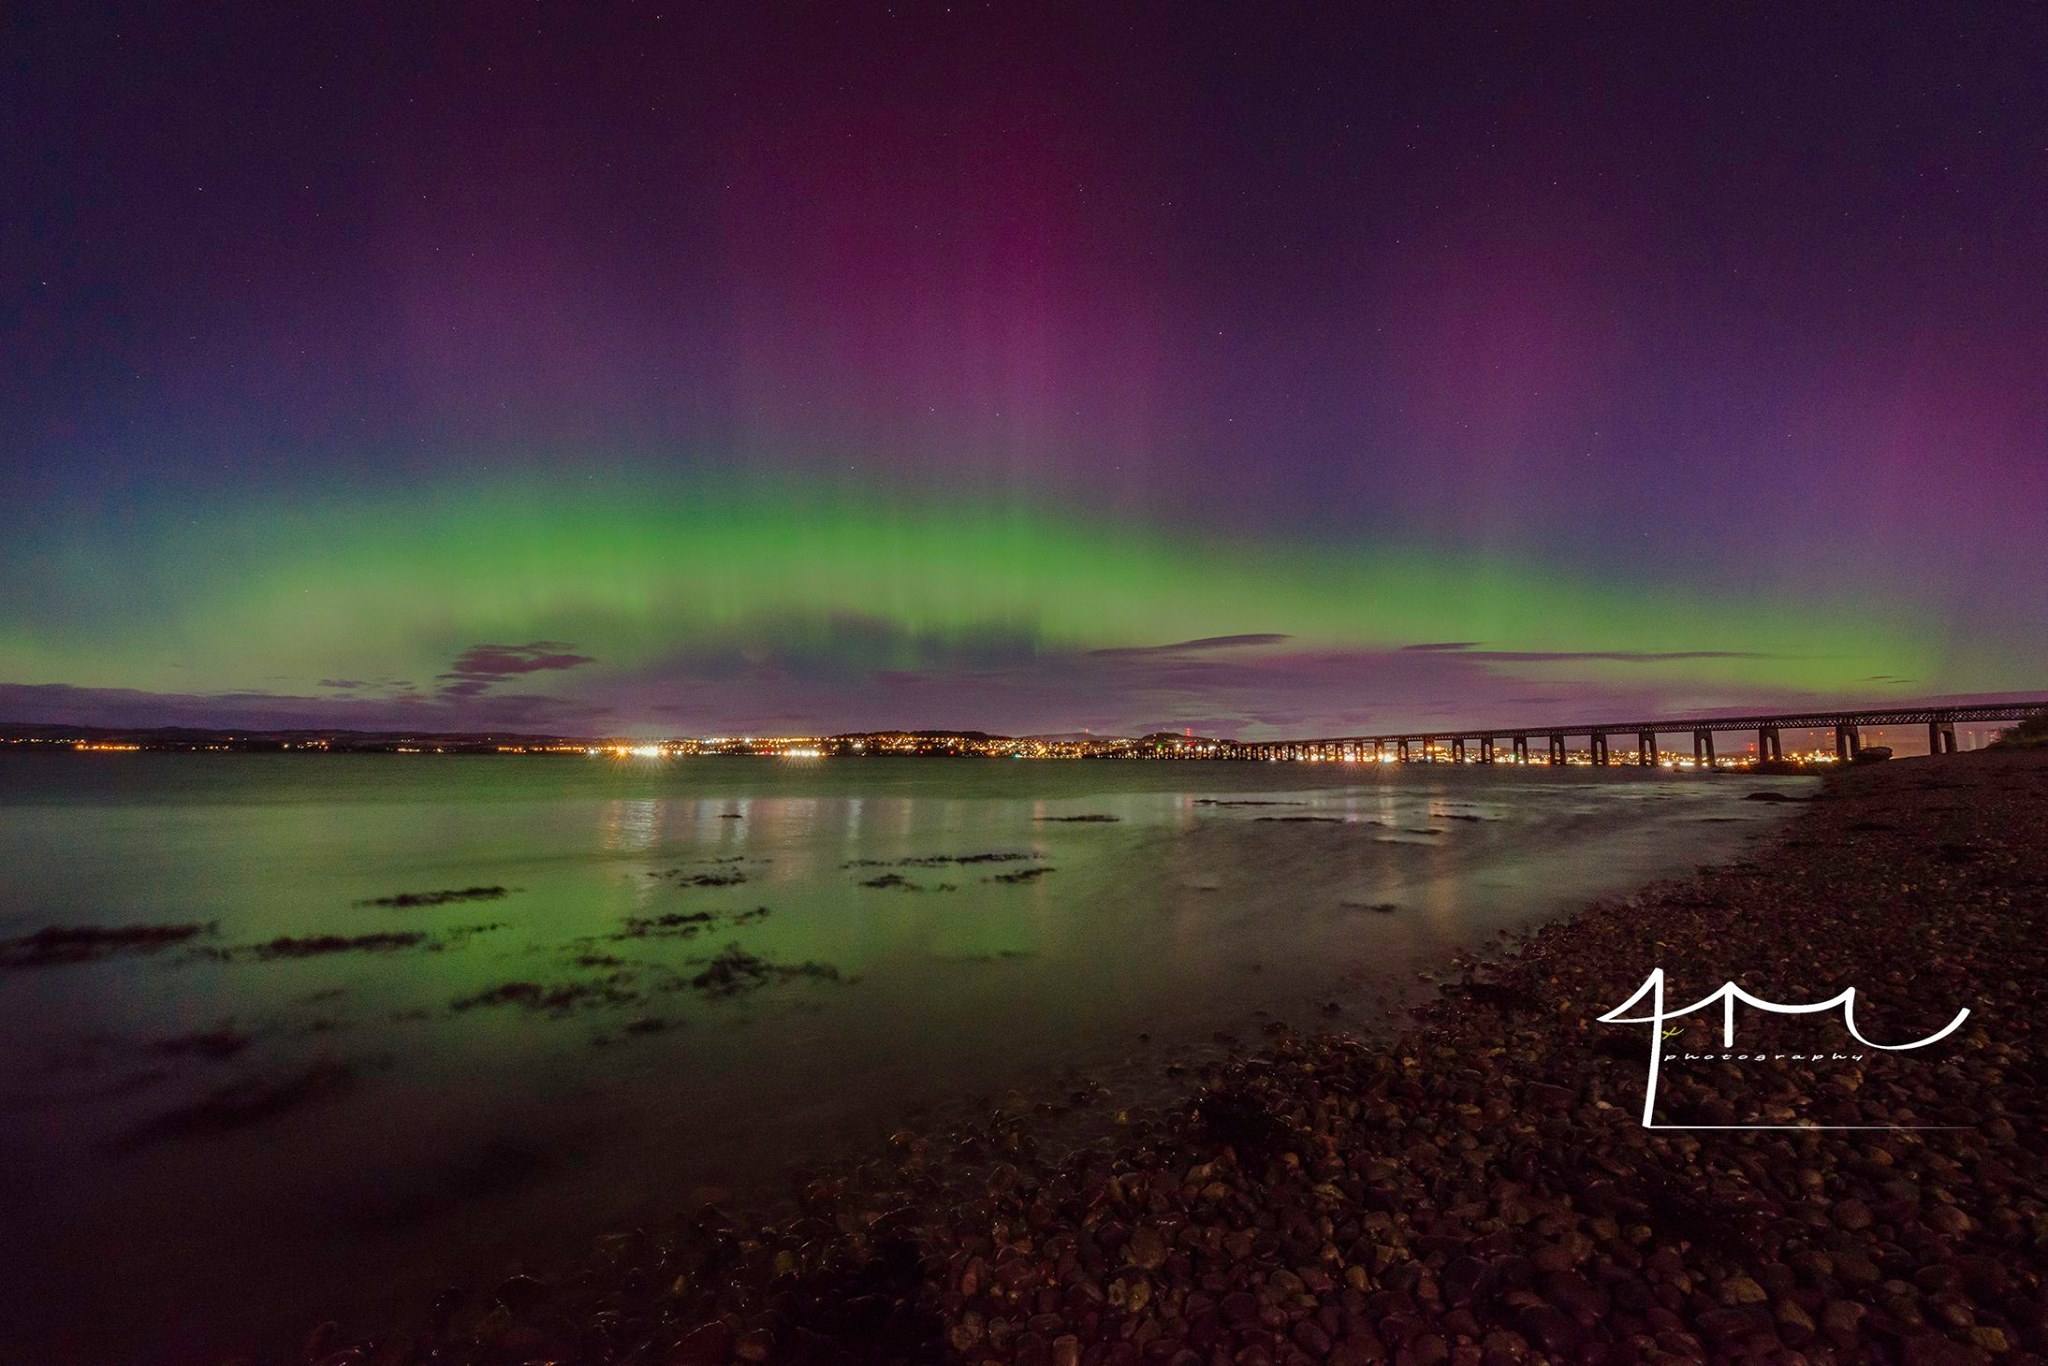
1472 1183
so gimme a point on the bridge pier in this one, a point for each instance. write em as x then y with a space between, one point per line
1597 742
1379 751
1401 750
1848 742
1521 749
1768 747
1941 737
1703 749
1486 749
1457 749
1646 749
1556 747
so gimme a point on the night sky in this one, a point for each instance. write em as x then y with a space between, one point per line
669 369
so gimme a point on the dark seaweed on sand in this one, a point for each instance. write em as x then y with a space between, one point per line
312 946
684 878
937 860
608 991
213 1044
55 945
439 898
735 970
674 924
1022 875
241 1104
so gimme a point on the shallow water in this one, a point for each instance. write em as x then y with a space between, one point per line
344 1128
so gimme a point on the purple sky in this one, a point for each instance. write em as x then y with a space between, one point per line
1739 308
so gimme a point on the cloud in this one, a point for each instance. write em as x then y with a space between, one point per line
482 667
1616 656
1469 649
844 672
1185 646
1250 692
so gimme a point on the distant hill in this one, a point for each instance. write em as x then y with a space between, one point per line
197 735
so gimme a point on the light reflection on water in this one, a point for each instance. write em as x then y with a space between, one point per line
497 1132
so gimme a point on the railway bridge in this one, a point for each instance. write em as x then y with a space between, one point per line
1485 746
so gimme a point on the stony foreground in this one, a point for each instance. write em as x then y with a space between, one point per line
1480 1188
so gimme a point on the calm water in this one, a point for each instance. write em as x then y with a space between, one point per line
351 1132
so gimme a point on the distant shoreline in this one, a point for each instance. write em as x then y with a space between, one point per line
1845 735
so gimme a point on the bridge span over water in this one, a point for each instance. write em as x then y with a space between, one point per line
1482 746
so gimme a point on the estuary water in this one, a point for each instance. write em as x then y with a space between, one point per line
661 982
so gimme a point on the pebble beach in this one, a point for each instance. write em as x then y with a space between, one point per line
1469 1182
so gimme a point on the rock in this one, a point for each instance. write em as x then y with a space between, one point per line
1853 1215
1991 1339
320 1341
1465 1281
1742 1290
519 1293
1950 1220
1842 1321
1550 1329
1147 1248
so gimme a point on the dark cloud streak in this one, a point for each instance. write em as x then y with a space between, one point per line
482 667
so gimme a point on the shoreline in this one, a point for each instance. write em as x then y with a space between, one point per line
1476 1186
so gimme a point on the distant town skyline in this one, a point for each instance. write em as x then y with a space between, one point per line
832 369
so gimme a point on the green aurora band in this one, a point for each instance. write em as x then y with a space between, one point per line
271 595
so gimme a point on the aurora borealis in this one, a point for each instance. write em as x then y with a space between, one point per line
810 368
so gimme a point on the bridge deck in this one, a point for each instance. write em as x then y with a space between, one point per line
1930 715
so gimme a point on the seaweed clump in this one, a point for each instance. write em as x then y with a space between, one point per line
54 945
443 897
735 971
